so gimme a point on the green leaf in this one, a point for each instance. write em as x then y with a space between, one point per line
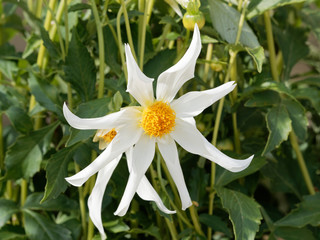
111 51
7 208
263 99
116 102
91 109
293 45
33 43
257 7
53 50
151 231
61 203
291 233
298 118
116 226
8 235
57 170
223 176
8 68
24 157
279 126
307 212
311 94
216 223
19 119
244 213
258 56
79 68
39 227
45 94
225 20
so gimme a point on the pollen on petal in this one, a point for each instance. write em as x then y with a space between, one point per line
158 119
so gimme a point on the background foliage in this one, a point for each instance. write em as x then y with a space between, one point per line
70 49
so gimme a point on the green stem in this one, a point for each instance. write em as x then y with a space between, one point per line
66 25
207 64
23 193
195 220
1 144
143 36
172 229
91 183
39 8
127 23
101 48
120 45
82 204
302 164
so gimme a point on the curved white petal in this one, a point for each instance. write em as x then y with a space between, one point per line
188 137
145 189
170 81
96 196
109 121
193 103
143 153
139 85
175 7
125 138
168 150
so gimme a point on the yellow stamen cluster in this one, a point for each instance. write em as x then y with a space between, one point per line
104 137
109 135
158 119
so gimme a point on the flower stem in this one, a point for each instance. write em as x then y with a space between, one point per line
207 64
292 135
143 35
91 183
101 48
120 45
195 220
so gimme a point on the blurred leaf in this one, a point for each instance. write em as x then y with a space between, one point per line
5 103
7 208
198 183
298 118
6 235
116 226
257 7
311 94
91 109
61 203
307 212
258 56
279 126
79 7
223 176
57 170
293 45
244 213
19 119
216 223
80 69
33 43
8 68
225 20
111 51
159 63
23 159
151 231
116 102
263 99
45 94
53 50
39 227
291 233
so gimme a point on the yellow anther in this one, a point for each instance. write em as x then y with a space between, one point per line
158 119
109 135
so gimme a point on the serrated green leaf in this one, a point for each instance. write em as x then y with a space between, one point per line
291 233
216 223
279 126
39 227
258 56
311 94
263 99
45 94
79 68
61 203
57 171
223 176
225 19
7 208
244 213
24 157
19 119
298 118
91 109
293 45
258 7
307 212
53 50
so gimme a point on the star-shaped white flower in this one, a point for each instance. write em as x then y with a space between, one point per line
136 130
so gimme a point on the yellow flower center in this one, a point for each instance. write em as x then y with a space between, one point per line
109 135
158 119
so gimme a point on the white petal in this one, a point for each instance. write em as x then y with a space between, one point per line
142 155
125 138
145 189
193 103
170 81
188 137
96 196
168 150
107 122
175 7
139 85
